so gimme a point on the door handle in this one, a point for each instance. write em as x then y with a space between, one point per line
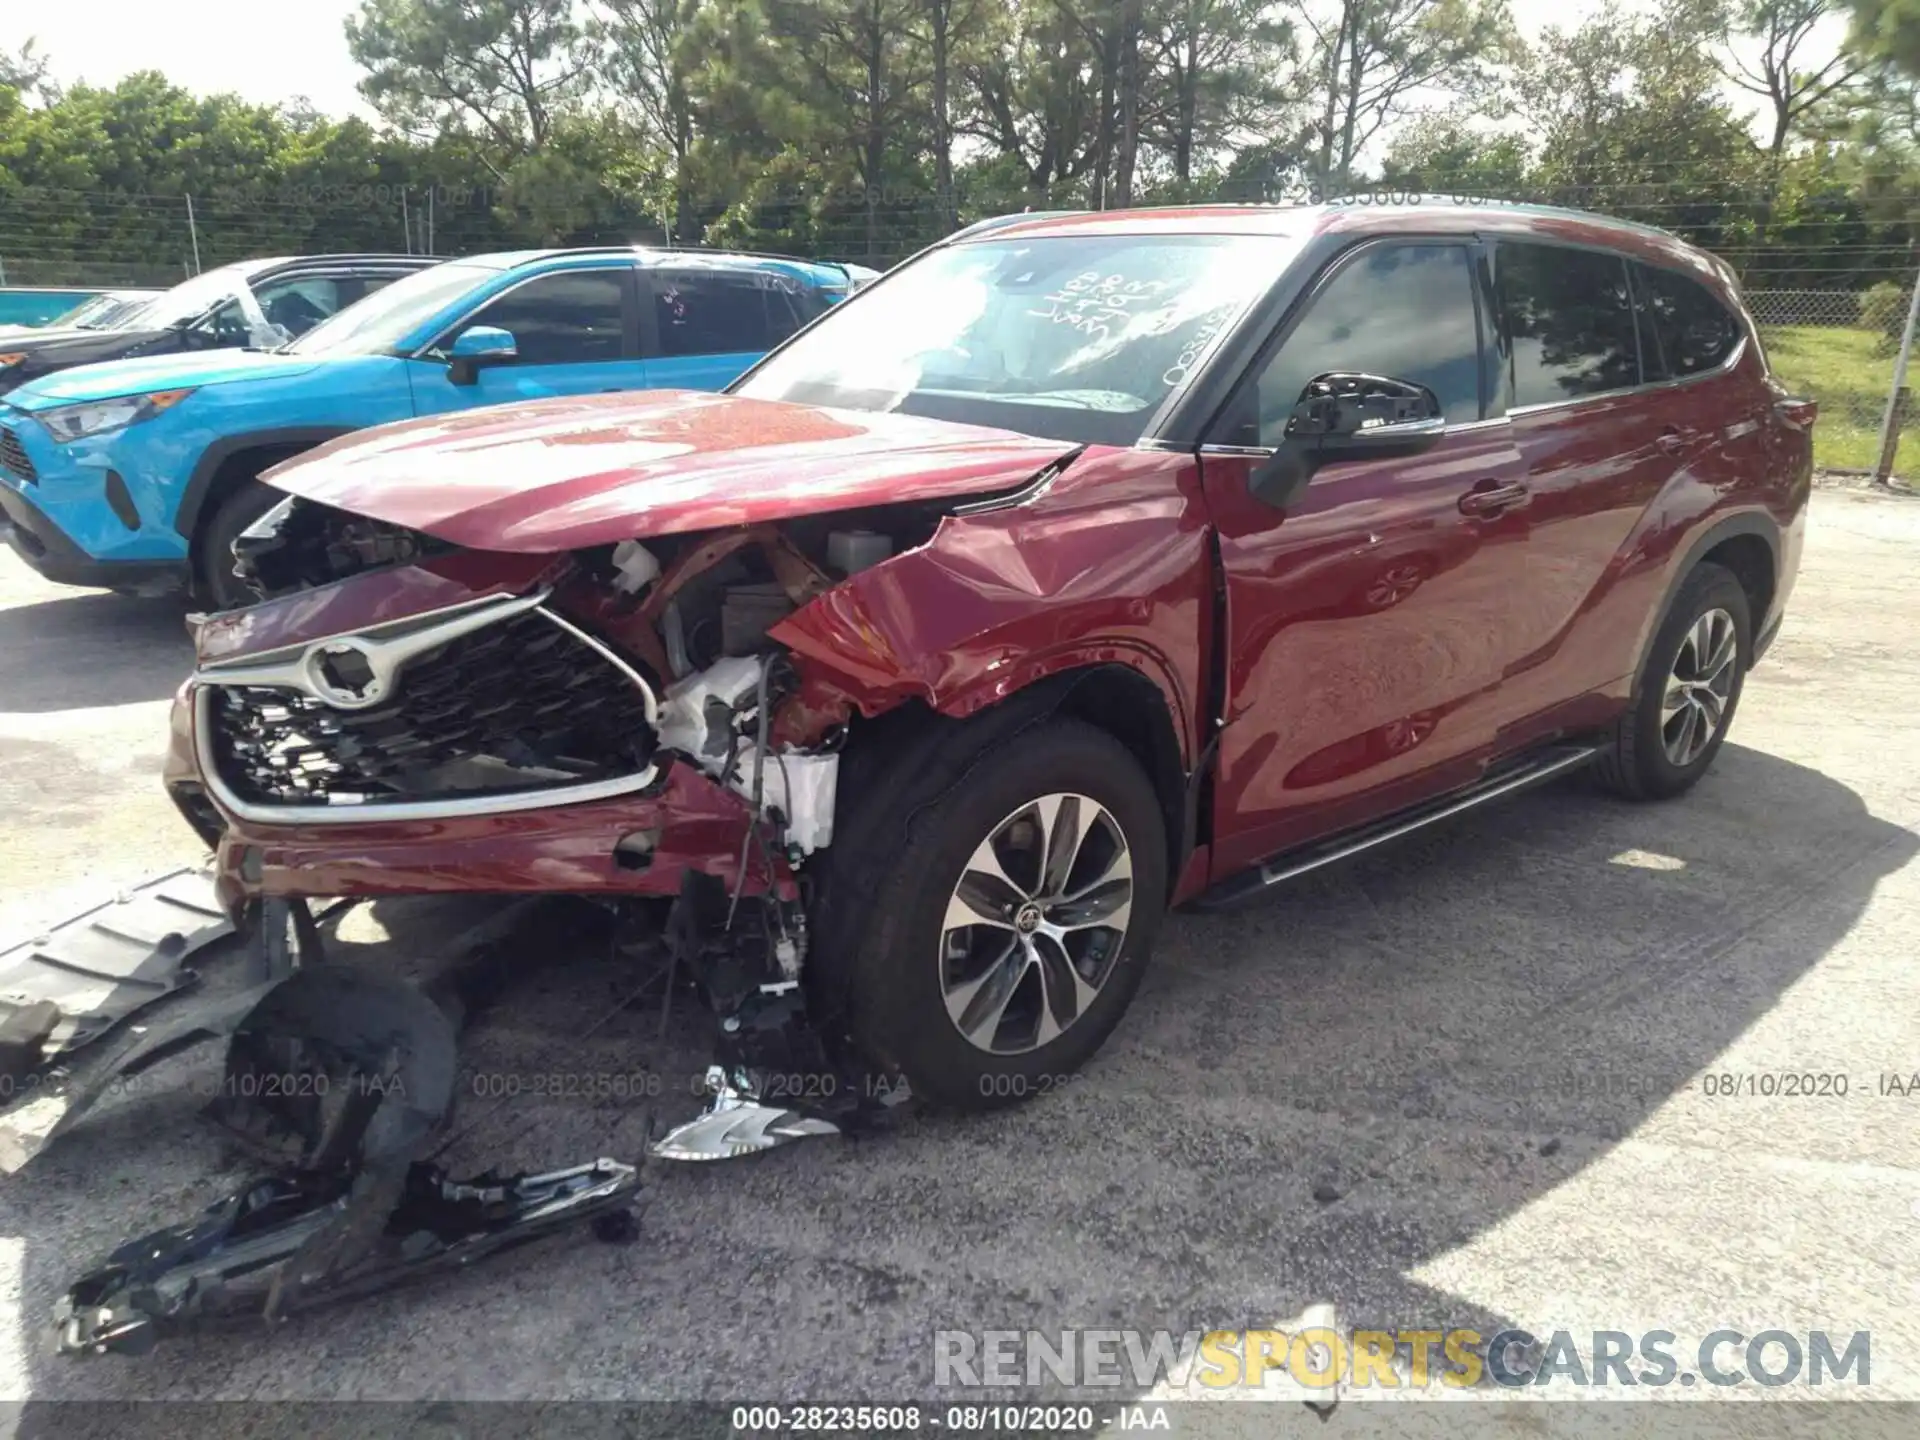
1489 497
1673 439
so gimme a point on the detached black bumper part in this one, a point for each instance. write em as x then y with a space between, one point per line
348 1077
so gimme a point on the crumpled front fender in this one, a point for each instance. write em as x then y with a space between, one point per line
1108 566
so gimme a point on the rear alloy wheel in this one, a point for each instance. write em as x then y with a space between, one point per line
1699 688
1011 924
1688 690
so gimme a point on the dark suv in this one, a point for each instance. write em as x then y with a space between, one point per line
1081 567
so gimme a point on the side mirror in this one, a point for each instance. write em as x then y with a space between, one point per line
1351 412
1346 415
476 346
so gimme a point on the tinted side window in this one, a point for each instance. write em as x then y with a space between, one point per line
568 318
812 301
227 324
1694 331
1571 318
1404 311
710 313
296 306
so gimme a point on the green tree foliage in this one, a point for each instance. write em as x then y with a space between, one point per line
1888 30
1783 69
647 56
24 70
1373 61
1630 119
863 129
503 68
1442 155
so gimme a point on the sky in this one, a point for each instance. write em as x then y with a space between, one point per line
267 51
209 46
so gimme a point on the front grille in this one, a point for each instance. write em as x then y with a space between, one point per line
13 455
521 705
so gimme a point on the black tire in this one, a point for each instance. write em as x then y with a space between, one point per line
895 1006
1636 764
218 586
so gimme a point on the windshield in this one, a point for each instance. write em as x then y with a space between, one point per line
191 299
385 318
97 312
1073 337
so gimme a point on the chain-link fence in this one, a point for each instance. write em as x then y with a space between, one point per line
1835 344
1840 347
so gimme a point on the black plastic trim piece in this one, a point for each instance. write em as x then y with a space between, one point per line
186 518
1747 522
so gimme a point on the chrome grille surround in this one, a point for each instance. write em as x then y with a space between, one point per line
272 729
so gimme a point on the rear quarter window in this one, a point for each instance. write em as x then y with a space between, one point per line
1690 330
717 312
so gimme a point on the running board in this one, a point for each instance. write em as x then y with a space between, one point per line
1536 769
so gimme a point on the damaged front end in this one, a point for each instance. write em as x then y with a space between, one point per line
601 724
641 720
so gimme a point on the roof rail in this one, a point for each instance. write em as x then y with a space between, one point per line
995 222
693 250
839 265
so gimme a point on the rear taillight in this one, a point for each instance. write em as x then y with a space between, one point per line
1797 411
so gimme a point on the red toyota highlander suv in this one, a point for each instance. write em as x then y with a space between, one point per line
1084 566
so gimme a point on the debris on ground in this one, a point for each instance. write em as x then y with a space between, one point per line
339 1081
64 990
350 1076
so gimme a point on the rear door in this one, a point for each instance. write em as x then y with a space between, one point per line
1602 436
706 324
1717 418
576 332
1370 623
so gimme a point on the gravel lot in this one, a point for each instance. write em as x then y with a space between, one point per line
1488 1045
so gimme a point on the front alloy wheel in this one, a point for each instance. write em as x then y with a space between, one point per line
1007 897
1035 924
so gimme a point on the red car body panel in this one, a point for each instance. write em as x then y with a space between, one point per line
559 475
376 599
1301 602
1374 645
1522 626
1108 566
692 825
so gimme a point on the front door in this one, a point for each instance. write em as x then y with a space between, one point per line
576 332
1370 623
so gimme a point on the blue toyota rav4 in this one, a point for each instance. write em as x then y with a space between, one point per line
138 474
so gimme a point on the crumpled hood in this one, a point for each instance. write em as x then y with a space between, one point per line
154 372
557 475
